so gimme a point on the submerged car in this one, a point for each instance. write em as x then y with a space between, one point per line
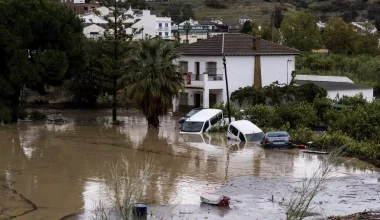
202 121
244 130
188 115
277 139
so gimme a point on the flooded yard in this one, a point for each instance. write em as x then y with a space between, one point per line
56 170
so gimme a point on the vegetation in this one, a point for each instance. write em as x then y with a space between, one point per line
361 69
300 31
179 12
155 80
115 49
33 54
37 116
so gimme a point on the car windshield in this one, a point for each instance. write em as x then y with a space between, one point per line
192 112
192 126
278 134
254 137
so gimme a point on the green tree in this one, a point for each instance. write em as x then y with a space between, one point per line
115 49
85 87
155 79
339 37
266 33
255 31
278 17
41 45
300 30
247 27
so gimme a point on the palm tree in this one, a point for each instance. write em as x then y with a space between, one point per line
154 80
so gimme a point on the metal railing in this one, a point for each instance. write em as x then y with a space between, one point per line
215 77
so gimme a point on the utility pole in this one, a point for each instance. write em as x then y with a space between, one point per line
273 26
228 94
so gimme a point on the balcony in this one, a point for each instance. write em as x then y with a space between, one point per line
214 81
163 29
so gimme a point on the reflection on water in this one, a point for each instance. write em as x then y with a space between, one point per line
59 167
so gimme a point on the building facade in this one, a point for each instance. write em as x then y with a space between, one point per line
204 73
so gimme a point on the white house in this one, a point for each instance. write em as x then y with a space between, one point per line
151 24
202 64
93 31
336 86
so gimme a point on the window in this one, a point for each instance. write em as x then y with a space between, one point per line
241 137
211 68
167 34
85 8
233 130
207 124
160 33
183 67
94 35
191 126
160 25
216 118
166 25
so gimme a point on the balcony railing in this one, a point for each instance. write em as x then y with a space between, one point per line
216 77
163 29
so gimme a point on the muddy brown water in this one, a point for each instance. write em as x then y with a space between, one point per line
50 171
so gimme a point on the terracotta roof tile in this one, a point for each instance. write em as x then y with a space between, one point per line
235 44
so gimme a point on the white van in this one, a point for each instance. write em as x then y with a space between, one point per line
202 121
244 130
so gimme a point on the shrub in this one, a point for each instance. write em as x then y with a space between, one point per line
215 4
301 114
331 140
5 114
369 151
301 135
37 116
261 115
322 106
354 101
235 112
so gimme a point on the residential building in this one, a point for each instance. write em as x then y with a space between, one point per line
151 25
204 73
336 86
93 31
194 31
80 6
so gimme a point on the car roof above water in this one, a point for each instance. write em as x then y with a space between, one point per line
204 115
277 133
246 127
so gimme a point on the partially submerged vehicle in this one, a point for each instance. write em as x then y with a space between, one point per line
244 130
277 139
188 115
202 121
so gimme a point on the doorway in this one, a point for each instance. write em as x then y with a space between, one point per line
212 98
197 100
197 70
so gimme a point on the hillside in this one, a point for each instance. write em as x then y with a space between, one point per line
259 10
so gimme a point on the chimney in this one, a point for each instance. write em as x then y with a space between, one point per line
256 43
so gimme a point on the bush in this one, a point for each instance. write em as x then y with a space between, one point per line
215 4
261 115
301 114
331 140
354 101
235 112
37 116
5 115
369 151
301 135
322 106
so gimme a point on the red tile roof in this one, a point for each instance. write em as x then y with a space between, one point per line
235 44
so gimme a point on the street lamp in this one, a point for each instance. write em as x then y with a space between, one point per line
287 71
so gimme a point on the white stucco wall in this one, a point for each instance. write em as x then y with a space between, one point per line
367 93
240 70
93 28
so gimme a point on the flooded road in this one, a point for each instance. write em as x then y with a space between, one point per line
57 170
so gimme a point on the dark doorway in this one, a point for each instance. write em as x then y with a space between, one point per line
197 100
212 98
197 70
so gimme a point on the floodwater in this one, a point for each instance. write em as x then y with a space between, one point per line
57 170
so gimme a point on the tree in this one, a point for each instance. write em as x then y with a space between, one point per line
339 36
187 12
278 17
41 45
115 48
155 80
377 23
266 33
85 87
300 30
247 27
255 31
